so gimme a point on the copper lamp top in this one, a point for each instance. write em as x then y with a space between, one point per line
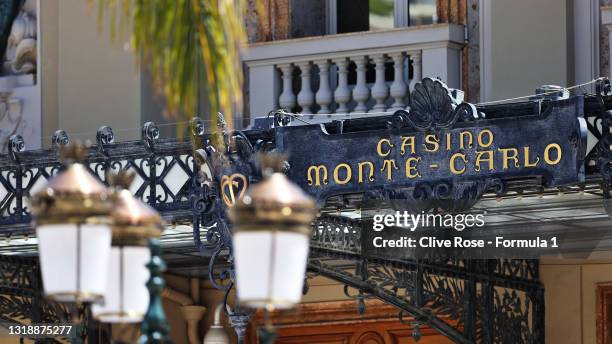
73 195
75 179
130 211
133 222
277 188
275 203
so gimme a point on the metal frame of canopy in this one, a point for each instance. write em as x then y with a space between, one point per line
191 182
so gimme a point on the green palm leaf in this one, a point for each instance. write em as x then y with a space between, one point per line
177 40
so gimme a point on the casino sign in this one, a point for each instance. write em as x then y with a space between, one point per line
440 150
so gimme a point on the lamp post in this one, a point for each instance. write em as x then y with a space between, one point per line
74 237
154 327
133 223
272 229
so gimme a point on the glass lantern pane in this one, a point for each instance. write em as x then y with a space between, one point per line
57 252
95 253
74 264
252 263
127 275
255 260
289 268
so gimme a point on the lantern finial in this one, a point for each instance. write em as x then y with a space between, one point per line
74 152
121 180
271 163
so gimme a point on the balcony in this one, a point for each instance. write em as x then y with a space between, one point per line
355 74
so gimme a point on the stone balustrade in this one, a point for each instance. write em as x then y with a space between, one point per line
350 74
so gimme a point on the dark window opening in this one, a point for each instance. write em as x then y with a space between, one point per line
365 15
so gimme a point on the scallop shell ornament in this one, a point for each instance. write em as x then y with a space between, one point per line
431 106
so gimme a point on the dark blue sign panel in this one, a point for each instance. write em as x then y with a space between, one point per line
452 154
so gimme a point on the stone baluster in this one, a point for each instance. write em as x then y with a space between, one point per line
398 87
305 98
287 98
342 93
361 92
324 94
380 92
415 56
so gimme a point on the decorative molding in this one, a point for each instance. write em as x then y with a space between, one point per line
432 107
21 45
11 118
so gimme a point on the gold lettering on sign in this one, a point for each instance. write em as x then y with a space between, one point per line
470 139
370 171
349 174
488 159
468 151
230 185
481 138
379 147
453 167
411 170
527 162
547 154
507 157
316 180
432 143
408 141
388 164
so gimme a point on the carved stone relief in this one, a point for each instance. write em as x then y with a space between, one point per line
21 46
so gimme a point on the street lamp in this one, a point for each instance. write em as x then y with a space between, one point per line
272 229
74 237
133 223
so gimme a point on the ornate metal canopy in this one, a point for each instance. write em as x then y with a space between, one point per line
191 182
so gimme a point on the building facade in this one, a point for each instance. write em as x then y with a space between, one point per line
328 60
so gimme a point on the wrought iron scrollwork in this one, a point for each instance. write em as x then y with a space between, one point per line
150 134
60 139
16 145
104 136
281 117
21 299
469 301
220 170
603 151
197 126
445 195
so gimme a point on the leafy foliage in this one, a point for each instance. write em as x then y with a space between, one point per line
381 7
185 44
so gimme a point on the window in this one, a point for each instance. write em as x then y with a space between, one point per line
364 15
381 14
422 12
